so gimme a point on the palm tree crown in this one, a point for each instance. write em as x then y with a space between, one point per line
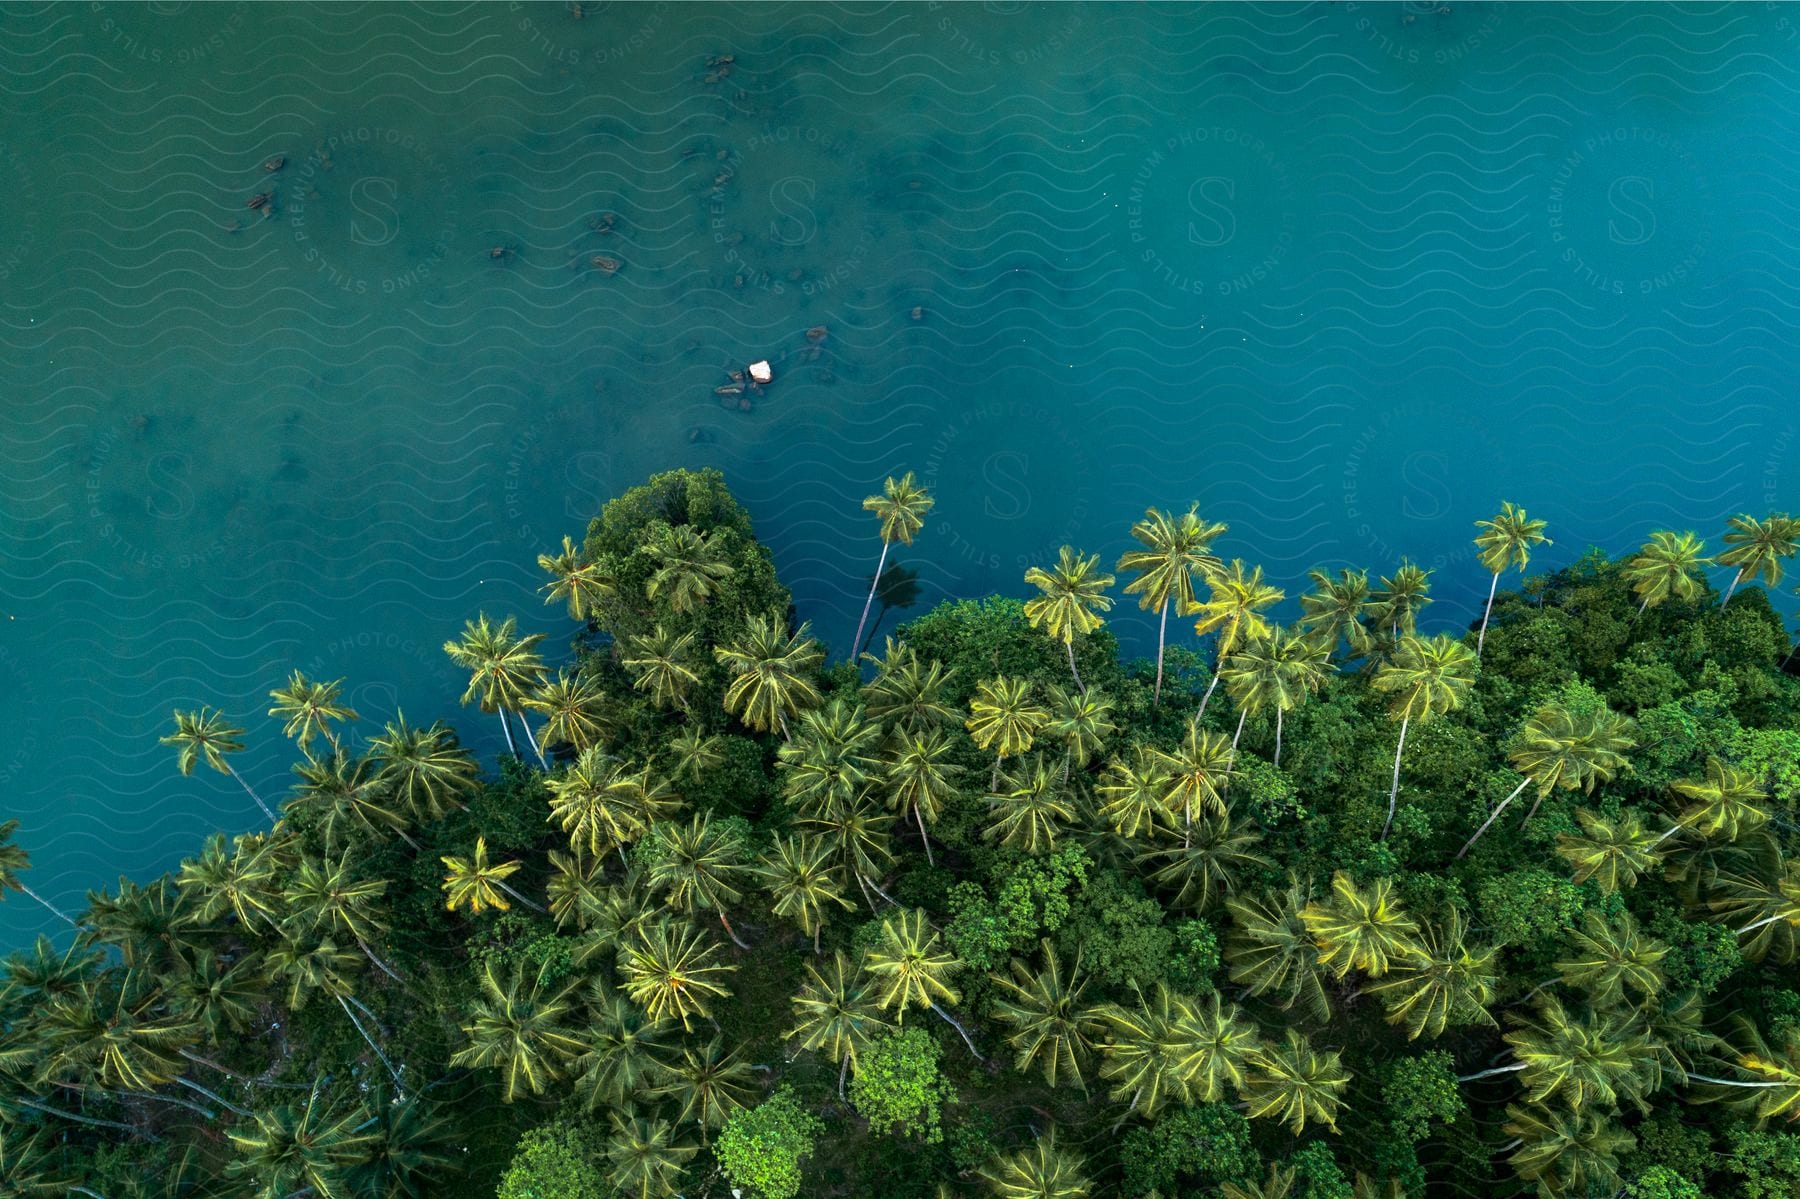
1667 567
1074 594
1177 553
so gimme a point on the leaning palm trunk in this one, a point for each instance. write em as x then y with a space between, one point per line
95 1121
919 817
526 725
1735 580
951 1021
1481 637
732 932
379 964
229 1106
1278 714
1512 1069
534 907
512 746
393 1073
1394 791
253 795
1079 685
843 1069
1162 632
1492 816
1242 716
874 585
1207 698
54 910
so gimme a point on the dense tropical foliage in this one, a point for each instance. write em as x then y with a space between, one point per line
1505 909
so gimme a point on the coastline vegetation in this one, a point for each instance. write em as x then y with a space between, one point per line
1335 909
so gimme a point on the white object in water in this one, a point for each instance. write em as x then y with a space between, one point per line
761 373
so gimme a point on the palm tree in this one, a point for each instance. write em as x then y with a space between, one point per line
584 587
1611 851
1728 802
427 771
694 752
520 1030
1198 773
1002 718
27 1168
347 790
1771 1088
836 1012
858 833
1444 983
1177 552
504 669
1233 610
1336 608
1505 542
306 1149
709 1084
801 879
1174 1048
14 861
1270 951
1051 1025
597 804
909 694
1357 929
1295 1083
221 1000
1038 1171
477 884
627 1054
1400 598
1278 1185
1609 958
1760 894
831 759
407 1149
204 734
1029 808
575 711
772 674
908 967
702 867
1667 567
1558 749
1074 593
1427 678
1132 794
1206 866
325 898
1277 672
673 970
690 567
1758 548
901 508
1567 1153
1594 1059
658 662
310 708
645 1159
242 882
1082 721
919 777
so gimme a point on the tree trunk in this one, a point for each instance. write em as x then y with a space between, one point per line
402 834
1726 1082
1242 716
1512 1069
54 910
526 725
534 907
919 817
994 778
732 932
512 746
1079 685
1752 927
95 1121
1207 698
231 770
1278 715
843 1069
229 1106
951 1021
1394 791
874 584
246 1079
1492 816
1162 629
379 964
1735 580
393 1073
1481 638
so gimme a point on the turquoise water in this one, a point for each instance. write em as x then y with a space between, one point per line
1346 274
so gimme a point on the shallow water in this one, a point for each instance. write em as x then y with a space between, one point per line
1347 274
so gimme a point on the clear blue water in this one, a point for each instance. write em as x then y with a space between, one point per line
1346 274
